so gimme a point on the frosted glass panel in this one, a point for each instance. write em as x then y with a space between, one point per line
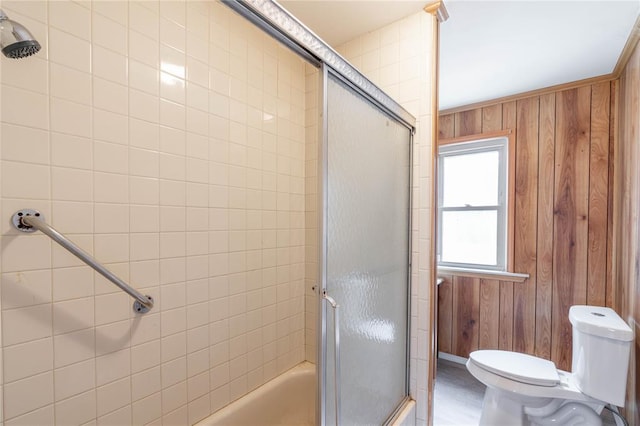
470 237
471 179
367 256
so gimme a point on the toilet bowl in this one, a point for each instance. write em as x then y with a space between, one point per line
526 390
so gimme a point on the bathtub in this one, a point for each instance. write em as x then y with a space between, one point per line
289 399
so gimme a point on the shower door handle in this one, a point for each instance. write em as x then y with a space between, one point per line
336 352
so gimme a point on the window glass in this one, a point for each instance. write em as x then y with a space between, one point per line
471 179
469 237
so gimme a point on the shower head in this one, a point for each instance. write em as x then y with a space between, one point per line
15 40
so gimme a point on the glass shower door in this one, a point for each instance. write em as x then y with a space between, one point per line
366 207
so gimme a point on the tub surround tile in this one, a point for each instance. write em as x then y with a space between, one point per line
22 325
118 417
74 379
74 347
112 337
113 366
28 359
145 356
148 409
25 288
107 29
28 394
41 416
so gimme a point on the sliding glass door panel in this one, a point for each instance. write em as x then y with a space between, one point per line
366 205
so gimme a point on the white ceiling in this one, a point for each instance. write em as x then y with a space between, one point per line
338 21
491 49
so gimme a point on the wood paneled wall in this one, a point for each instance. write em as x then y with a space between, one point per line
562 226
627 216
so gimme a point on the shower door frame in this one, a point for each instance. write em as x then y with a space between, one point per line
321 287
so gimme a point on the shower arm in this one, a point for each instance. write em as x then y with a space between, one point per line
29 220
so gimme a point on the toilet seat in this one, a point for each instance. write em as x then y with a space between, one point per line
517 366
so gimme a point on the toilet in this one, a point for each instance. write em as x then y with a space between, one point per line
524 390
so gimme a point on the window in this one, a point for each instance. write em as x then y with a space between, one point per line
474 192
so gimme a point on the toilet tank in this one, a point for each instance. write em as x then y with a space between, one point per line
601 348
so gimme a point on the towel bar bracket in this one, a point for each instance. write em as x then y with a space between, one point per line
142 309
16 219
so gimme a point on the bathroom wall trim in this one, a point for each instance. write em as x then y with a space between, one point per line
628 49
278 22
453 358
530 94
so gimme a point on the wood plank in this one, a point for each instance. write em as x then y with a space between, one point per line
445 315
505 337
506 287
625 180
524 295
509 115
598 194
446 126
627 249
571 192
489 327
466 300
625 289
631 137
613 123
544 267
468 122
621 202
492 118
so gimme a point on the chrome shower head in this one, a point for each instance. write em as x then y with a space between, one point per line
15 40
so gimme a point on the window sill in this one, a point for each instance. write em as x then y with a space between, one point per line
482 273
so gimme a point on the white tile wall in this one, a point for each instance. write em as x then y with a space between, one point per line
399 59
312 87
170 136
167 138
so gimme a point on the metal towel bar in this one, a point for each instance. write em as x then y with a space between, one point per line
29 220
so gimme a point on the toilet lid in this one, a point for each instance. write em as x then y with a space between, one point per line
516 366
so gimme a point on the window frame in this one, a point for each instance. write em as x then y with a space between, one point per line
485 141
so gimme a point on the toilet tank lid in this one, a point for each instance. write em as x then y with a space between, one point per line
600 321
